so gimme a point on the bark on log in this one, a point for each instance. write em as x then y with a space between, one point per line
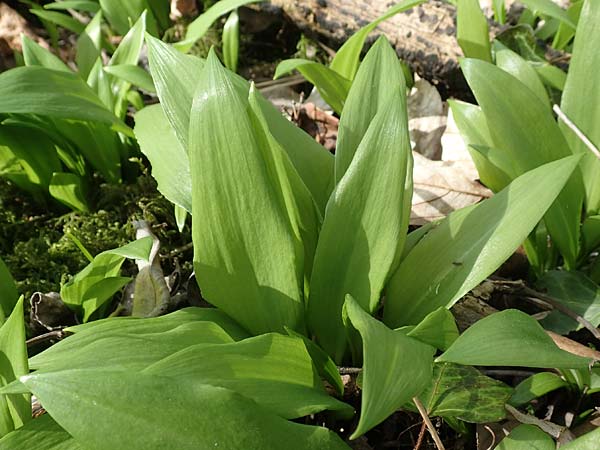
424 36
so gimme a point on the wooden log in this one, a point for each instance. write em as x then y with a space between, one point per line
424 36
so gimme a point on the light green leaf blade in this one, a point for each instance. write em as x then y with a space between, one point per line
38 90
170 162
273 370
67 188
470 244
236 203
588 441
472 30
332 86
524 128
132 74
581 98
549 8
154 419
510 338
10 295
99 293
364 227
60 19
527 437
231 41
78 5
346 60
464 393
438 329
42 433
396 368
203 22
380 76
121 15
89 44
15 409
128 51
36 55
535 386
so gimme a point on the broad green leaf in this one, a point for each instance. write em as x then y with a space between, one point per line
467 246
78 5
365 225
191 416
15 409
551 75
203 22
566 32
346 60
89 44
438 329
176 77
169 161
509 338
464 393
60 19
42 433
525 129
332 86
36 55
9 294
67 188
518 67
38 90
396 368
497 169
121 15
132 74
472 30
588 441
126 351
379 77
575 291
231 41
549 8
581 98
527 437
273 370
590 234
535 386
82 292
238 200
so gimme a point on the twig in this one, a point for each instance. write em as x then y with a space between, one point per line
58 334
349 370
575 129
427 420
507 373
421 436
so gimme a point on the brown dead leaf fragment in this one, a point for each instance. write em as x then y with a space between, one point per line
319 124
183 8
441 187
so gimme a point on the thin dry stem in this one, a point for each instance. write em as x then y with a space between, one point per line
427 420
575 129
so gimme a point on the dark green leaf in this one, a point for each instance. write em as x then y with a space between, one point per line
42 433
535 386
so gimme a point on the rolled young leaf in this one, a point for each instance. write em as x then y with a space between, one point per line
470 244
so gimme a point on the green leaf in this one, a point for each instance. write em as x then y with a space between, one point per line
231 41
346 60
169 161
67 188
180 217
472 30
176 77
15 409
89 44
588 441
499 11
83 291
464 393
203 22
132 74
396 368
38 90
60 19
42 433
590 234
518 67
510 338
470 244
237 199
566 32
36 55
154 419
438 329
552 76
10 295
527 437
121 15
549 8
365 222
332 86
535 386
78 5
581 98
576 292
525 129
273 370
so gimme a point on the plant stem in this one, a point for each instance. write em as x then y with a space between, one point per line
427 420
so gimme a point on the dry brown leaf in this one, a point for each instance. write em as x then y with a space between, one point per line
441 187
12 25
183 8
